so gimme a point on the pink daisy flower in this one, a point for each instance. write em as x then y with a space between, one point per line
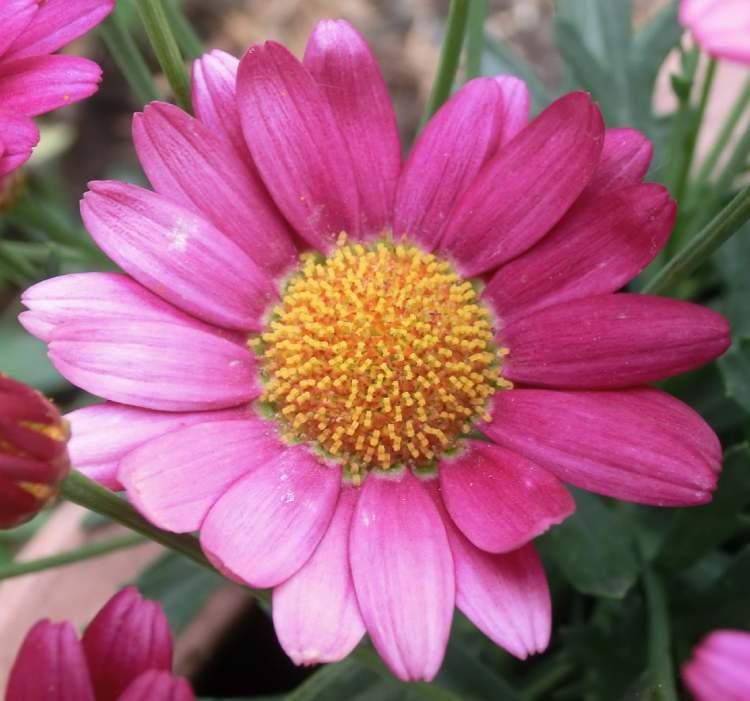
124 655
720 667
363 382
33 81
721 27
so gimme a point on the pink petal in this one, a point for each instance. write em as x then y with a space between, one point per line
315 612
720 667
516 106
214 78
626 156
506 596
296 145
153 685
39 84
50 665
176 478
498 499
640 444
597 247
127 637
57 23
612 341
350 79
266 526
103 434
403 574
462 136
520 195
15 16
155 365
720 27
178 255
187 162
19 136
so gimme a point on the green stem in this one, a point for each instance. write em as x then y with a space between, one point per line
128 57
475 38
187 39
703 244
165 47
659 643
86 552
449 57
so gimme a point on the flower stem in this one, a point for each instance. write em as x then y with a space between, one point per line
475 39
128 57
86 552
449 57
187 39
659 653
165 47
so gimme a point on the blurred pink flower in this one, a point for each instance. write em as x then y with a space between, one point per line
33 81
721 27
720 667
377 352
124 655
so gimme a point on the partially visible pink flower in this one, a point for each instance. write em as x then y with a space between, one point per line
124 655
721 27
720 667
33 81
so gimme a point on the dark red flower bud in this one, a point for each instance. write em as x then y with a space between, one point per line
33 452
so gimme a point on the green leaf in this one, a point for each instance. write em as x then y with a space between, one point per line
594 549
735 369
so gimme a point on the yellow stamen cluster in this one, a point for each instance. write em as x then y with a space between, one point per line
380 354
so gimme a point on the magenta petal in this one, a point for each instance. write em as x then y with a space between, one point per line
39 84
720 667
176 478
612 341
50 665
522 192
640 444
350 79
15 16
103 434
187 162
155 365
127 637
315 612
626 156
498 499
403 573
158 685
297 145
266 526
57 23
446 158
516 106
19 135
178 255
598 247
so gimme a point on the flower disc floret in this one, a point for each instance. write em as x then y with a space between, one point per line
380 354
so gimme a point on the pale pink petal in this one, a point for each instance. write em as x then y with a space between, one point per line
176 478
15 16
297 145
178 255
315 612
103 434
127 637
57 23
50 665
266 526
611 341
598 247
350 79
639 444
720 27
720 667
19 135
500 500
522 192
155 365
39 84
155 684
462 136
626 156
403 574
516 106
187 162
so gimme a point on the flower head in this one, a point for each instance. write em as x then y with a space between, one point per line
721 27
720 667
33 452
124 655
363 382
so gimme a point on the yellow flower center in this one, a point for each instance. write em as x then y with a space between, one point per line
380 354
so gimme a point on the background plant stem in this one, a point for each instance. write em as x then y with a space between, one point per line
475 39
